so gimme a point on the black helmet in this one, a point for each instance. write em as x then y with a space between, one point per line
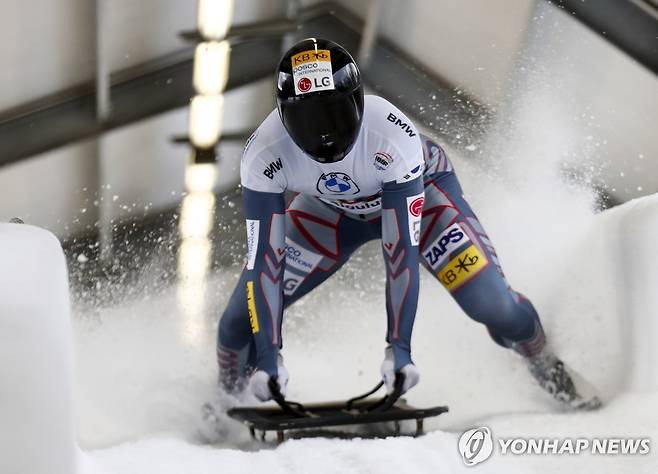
320 98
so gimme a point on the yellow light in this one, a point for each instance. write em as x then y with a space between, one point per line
193 266
205 120
194 261
196 218
200 177
211 61
214 18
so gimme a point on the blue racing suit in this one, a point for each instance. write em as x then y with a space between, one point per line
309 241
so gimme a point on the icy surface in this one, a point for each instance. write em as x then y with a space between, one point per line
144 368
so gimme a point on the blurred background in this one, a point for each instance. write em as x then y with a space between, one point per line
122 125
96 123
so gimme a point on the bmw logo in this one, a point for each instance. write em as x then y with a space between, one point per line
336 183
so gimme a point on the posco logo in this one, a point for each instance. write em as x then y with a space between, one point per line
295 256
476 445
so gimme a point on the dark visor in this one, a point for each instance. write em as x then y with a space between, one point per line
325 127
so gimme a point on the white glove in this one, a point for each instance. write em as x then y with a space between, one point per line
259 382
411 374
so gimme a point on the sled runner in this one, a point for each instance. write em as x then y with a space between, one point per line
291 416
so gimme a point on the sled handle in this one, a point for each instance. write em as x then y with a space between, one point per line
290 408
350 402
389 400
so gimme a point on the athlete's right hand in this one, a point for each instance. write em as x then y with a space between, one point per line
259 382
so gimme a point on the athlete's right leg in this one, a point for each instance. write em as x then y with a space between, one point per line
319 240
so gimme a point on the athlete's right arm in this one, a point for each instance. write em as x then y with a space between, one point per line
265 215
264 209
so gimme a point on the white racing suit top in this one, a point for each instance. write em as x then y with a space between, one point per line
382 174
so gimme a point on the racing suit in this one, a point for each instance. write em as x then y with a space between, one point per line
396 186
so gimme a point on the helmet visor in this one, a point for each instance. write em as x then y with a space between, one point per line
325 127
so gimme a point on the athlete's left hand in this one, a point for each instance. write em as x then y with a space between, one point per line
410 371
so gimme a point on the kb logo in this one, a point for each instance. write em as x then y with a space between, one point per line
476 445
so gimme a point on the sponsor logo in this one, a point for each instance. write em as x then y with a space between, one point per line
336 183
382 160
311 71
304 84
414 232
251 308
358 206
476 445
403 125
253 229
300 258
291 283
272 168
311 56
415 206
448 241
462 268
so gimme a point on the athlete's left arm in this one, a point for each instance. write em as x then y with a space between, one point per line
402 206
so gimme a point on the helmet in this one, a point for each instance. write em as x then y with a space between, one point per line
320 98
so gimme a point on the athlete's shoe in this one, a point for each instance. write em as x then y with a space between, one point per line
554 377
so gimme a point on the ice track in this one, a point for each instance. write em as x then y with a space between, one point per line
143 370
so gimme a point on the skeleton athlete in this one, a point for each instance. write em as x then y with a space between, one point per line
361 171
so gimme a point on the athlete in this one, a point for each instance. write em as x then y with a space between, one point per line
362 171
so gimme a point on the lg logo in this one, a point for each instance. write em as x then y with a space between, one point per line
476 445
416 207
290 285
304 84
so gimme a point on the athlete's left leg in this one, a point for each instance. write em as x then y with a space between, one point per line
456 249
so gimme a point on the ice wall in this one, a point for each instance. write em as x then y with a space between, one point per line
36 420
634 228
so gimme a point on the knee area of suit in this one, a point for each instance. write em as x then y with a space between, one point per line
498 311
